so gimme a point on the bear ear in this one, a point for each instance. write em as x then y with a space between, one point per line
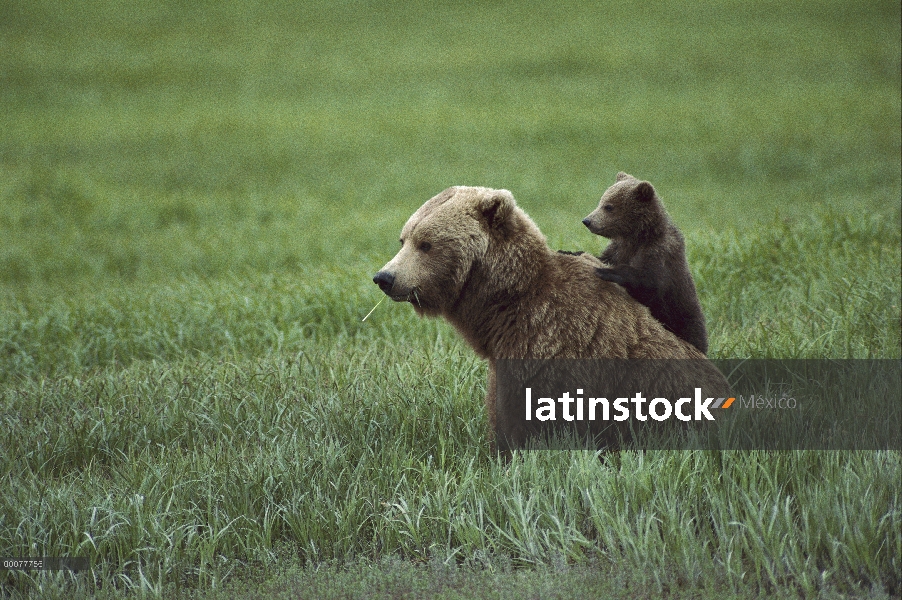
621 176
495 207
645 192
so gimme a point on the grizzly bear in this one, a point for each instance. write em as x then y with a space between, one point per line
647 256
472 256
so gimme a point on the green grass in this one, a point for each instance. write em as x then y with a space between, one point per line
194 196
142 141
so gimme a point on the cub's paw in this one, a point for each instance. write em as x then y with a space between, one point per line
610 275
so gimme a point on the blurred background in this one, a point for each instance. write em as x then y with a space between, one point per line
149 140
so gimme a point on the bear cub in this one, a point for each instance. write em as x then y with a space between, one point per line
648 257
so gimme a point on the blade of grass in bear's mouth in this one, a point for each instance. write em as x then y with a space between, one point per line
372 309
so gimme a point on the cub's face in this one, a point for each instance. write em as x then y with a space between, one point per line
439 245
621 207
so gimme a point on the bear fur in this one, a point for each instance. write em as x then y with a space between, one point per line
647 256
472 256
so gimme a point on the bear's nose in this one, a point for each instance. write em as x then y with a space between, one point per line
384 280
587 222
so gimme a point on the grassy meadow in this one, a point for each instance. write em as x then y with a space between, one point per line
194 197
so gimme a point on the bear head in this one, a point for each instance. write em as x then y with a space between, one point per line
460 233
626 208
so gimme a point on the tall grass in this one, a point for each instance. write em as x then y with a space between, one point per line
180 476
186 435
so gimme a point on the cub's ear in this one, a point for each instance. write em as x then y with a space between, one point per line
621 176
495 207
645 192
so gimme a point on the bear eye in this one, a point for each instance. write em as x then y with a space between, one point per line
425 246
607 208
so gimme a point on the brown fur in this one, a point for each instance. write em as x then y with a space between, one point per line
647 256
472 256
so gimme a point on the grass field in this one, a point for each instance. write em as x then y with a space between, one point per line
194 197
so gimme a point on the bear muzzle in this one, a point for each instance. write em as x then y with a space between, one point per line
385 281
596 228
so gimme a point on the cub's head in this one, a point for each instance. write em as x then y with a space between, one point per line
441 244
626 208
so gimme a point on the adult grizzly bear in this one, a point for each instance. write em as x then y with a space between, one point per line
647 256
472 256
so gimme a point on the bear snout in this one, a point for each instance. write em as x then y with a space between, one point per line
596 224
385 281
592 225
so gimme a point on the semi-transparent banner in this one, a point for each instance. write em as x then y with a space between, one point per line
753 404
